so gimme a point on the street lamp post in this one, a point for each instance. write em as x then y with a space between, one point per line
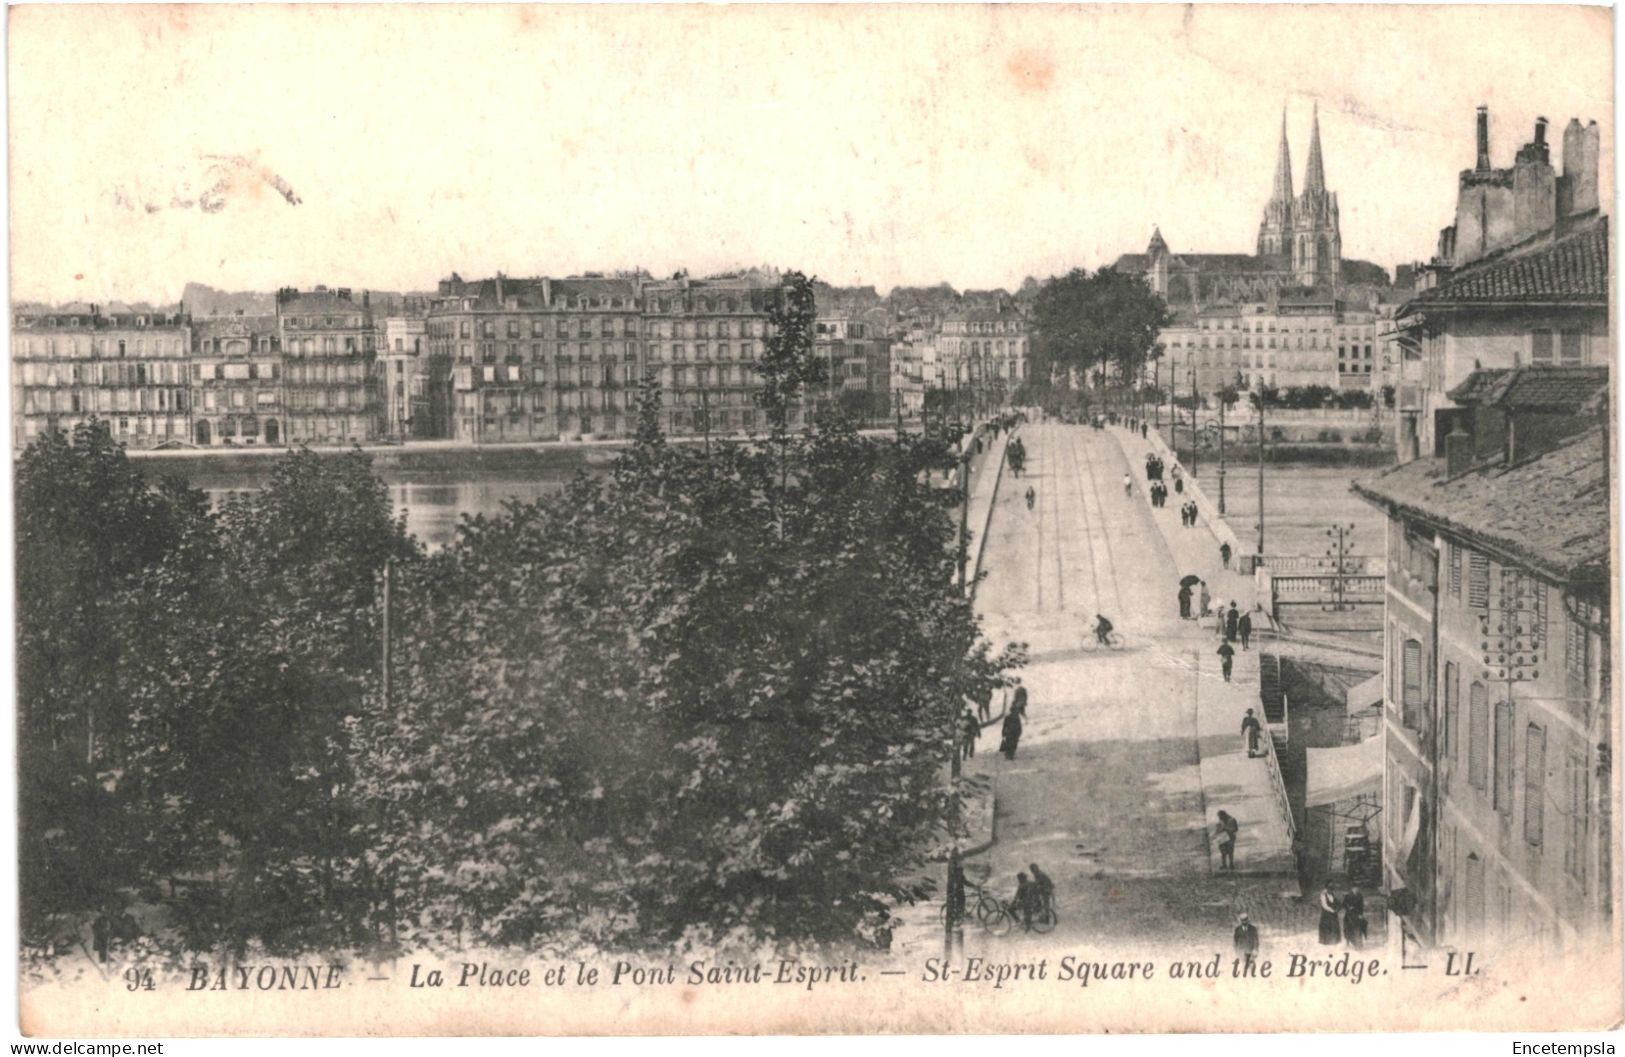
1260 472
1223 399
1196 435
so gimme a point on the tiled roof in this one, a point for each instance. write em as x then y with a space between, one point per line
1478 385
1571 267
1549 513
1532 388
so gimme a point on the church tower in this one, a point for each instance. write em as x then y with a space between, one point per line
1317 244
1157 256
1275 231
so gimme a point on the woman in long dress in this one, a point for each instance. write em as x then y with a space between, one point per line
1331 930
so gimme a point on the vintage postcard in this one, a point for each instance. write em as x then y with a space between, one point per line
618 520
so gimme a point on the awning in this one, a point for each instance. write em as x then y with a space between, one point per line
1344 772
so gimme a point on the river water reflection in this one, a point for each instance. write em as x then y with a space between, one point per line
434 502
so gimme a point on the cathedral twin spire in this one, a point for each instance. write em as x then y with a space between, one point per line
1304 227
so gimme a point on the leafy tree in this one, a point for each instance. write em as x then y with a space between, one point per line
261 645
787 364
88 525
1085 322
695 698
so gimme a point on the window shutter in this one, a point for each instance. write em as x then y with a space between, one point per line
1478 580
1503 757
1534 784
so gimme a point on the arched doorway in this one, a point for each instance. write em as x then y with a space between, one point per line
203 434
272 434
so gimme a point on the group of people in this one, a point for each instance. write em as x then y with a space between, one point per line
1194 592
970 723
1234 625
1353 926
1035 895
1154 468
1016 453
1188 514
1342 920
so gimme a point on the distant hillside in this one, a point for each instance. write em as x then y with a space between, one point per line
203 301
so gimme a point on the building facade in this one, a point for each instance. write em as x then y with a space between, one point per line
237 375
129 369
1521 277
403 377
1498 728
983 351
329 347
1283 342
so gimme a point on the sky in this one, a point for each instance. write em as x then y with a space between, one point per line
252 147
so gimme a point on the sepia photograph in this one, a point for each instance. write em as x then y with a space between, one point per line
609 520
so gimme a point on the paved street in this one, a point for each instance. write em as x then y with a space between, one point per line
1128 754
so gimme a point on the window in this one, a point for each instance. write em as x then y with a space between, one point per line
1534 784
1478 580
1413 684
1572 348
1578 652
1455 569
1452 710
1478 721
1502 792
1540 347
1578 816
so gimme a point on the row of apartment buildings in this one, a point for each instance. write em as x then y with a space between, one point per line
1497 711
1293 313
483 361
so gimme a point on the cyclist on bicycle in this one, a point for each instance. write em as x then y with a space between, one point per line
1031 496
1045 888
1025 902
1103 630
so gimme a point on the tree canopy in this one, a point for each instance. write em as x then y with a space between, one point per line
1084 322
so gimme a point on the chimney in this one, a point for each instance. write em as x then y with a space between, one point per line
1458 451
1540 132
1483 139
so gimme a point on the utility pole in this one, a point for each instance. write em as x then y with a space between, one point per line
953 924
388 657
1196 432
1224 396
1261 472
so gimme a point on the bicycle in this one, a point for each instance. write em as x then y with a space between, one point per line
1044 919
982 907
1113 639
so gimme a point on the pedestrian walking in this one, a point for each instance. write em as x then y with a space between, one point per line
1011 735
1224 554
1205 599
1150 467
969 730
1232 623
1145 430
1244 627
984 705
1018 701
1184 602
1331 932
1226 832
1354 923
1251 731
1246 936
1227 656
1128 484
1179 481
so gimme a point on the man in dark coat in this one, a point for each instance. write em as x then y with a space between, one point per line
1227 656
1018 701
969 729
1011 735
1184 602
1244 627
1246 936
1224 554
1232 623
1251 729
